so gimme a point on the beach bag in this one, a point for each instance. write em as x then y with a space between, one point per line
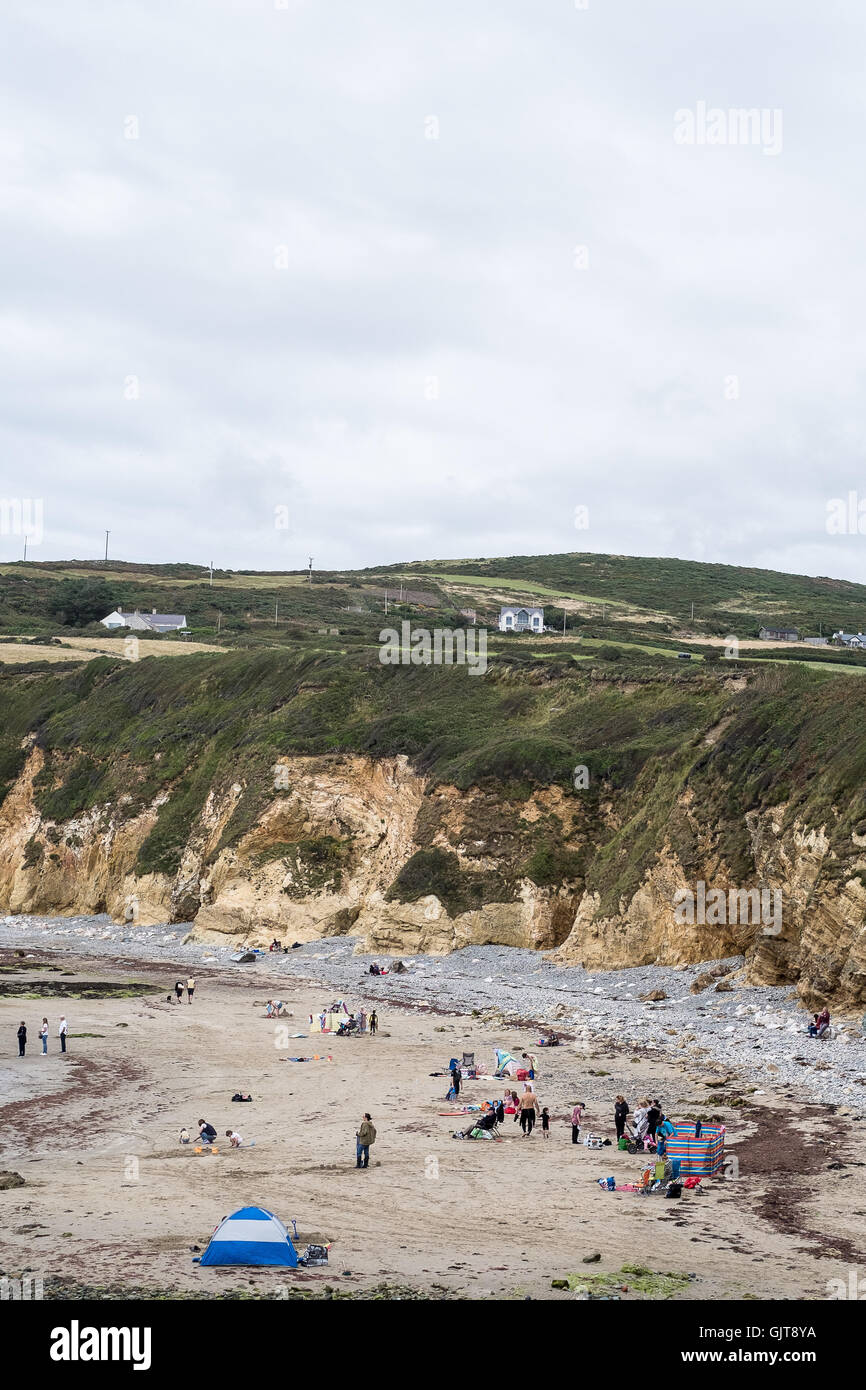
522 1074
674 1189
622 1144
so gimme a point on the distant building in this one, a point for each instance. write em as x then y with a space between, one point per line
515 618
468 613
779 634
816 641
145 622
850 639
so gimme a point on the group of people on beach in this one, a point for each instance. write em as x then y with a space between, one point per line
44 1030
189 987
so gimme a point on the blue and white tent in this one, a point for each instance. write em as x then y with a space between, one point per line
252 1236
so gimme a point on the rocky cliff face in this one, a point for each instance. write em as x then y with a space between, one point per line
331 850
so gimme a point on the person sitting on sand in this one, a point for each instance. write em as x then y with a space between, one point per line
234 1138
184 1135
821 1024
207 1134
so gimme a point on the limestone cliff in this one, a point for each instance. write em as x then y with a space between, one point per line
329 853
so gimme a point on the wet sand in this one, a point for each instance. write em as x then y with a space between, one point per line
111 1197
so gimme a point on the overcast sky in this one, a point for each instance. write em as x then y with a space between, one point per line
422 279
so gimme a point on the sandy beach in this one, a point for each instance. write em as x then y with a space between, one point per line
110 1198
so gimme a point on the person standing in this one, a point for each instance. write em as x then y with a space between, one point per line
653 1118
62 1031
545 1123
43 1033
366 1136
190 989
362 1020
374 1022
454 1093
528 1112
178 990
620 1113
663 1133
22 1038
576 1120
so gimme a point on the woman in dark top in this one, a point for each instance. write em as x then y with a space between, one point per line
654 1116
22 1038
620 1110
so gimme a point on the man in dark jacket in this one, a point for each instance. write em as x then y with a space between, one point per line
22 1039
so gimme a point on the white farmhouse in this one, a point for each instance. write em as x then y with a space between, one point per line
145 622
516 618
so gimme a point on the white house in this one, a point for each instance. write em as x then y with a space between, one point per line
850 639
515 618
145 622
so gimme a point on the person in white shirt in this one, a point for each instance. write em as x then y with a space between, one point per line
234 1138
43 1033
61 1032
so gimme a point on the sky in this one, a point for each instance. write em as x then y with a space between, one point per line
375 282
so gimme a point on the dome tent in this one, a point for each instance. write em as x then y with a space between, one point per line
252 1236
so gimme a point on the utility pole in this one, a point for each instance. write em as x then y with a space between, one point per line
25 545
219 621
563 622
693 610
386 602
311 570
211 573
107 534
276 611
401 591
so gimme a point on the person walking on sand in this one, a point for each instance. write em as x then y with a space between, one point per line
620 1113
545 1123
365 1136
62 1030
22 1038
374 1022
528 1111
190 989
43 1033
178 990
577 1121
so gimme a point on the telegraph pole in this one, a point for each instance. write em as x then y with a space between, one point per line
311 570
107 534
211 573
25 545
386 602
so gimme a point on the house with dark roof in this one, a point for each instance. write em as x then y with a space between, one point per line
779 634
145 622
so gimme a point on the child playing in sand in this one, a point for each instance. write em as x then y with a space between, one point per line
184 1135
545 1123
234 1138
